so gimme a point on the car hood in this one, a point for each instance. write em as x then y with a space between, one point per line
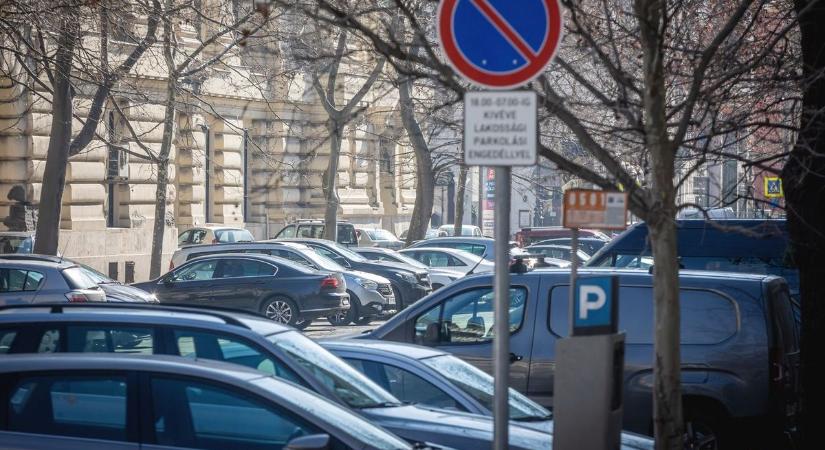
367 276
446 272
395 265
451 428
124 293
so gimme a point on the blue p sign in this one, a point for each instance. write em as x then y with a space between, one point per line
596 303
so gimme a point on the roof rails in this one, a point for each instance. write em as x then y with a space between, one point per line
318 220
58 308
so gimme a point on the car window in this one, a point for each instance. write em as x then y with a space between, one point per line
183 238
198 236
69 405
231 236
475 249
287 232
188 413
289 255
331 255
706 317
241 268
197 271
109 339
346 235
467 317
16 244
435 259
76 278
193 344
405 385
19 280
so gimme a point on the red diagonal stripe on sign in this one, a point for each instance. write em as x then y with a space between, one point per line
505 28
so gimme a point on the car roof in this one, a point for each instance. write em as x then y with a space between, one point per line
439 249
34 257
377 347
120 361
38 264
373 249
642 273
258 256
264 243
480 239
215 227
150 314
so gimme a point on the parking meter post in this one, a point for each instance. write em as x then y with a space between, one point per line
574 271
501 337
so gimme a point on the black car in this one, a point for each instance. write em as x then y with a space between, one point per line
589 245
408 283
279 289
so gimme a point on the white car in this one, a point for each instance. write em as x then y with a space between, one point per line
449 258
214 235
439 276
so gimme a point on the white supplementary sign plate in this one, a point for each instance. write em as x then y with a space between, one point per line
500 128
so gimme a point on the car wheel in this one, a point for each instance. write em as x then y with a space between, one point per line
703 430
281 310
347 317
399 302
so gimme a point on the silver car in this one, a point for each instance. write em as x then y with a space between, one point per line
129 402
46 282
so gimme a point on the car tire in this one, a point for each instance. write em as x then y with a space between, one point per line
399 302
346 317
363 320
282 310
704 430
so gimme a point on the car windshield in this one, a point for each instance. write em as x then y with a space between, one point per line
322 261
381 235
479 385
94 275
348 384
77 278
410 261
346 253
230 235
334 414
431 233
16 244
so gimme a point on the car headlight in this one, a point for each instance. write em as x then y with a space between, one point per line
367 284
408 277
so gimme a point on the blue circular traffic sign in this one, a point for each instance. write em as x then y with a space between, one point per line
499 44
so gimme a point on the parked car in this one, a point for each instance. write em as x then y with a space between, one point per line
371 296
530 235
466 230
711 213
408 283
751 246
378 237
449 258
24 281
563 252
213 235
115 290
480 246
427 376
130 402
439 276
589 245
739 352
314 229
281 290
16 242
254 342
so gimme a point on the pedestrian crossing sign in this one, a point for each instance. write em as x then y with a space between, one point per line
773 187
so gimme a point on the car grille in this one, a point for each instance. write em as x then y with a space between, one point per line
385 290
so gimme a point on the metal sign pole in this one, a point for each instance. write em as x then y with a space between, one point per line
574 272
501 336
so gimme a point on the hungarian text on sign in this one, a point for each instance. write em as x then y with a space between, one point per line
500 128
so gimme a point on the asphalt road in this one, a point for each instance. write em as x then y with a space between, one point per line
321 329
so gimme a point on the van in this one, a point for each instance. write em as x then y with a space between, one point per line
739 344
314 229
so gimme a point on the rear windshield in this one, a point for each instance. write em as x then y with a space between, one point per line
15 244
76 278
381 235
230 235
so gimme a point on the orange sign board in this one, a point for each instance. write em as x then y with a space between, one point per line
589 208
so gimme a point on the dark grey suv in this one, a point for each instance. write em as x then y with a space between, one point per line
740 346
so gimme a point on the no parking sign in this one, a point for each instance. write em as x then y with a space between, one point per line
499 44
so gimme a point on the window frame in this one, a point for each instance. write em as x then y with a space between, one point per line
174 275
440 306
219 268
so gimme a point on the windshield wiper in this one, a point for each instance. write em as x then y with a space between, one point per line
533 418
383 405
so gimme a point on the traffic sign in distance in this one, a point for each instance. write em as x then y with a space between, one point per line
500 128
499 44
773 187
588 208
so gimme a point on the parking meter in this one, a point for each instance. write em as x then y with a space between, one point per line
588 381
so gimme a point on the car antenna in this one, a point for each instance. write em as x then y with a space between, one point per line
479 262
65 244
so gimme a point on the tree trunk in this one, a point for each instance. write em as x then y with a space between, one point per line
425 178
459 199
163 178
331 181
57 156
667 396
802 181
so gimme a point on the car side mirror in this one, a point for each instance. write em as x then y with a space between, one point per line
310 442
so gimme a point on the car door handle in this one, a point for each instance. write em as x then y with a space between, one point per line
514 357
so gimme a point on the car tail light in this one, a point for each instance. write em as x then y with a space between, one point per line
76 297
215 241
171 264
330 282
